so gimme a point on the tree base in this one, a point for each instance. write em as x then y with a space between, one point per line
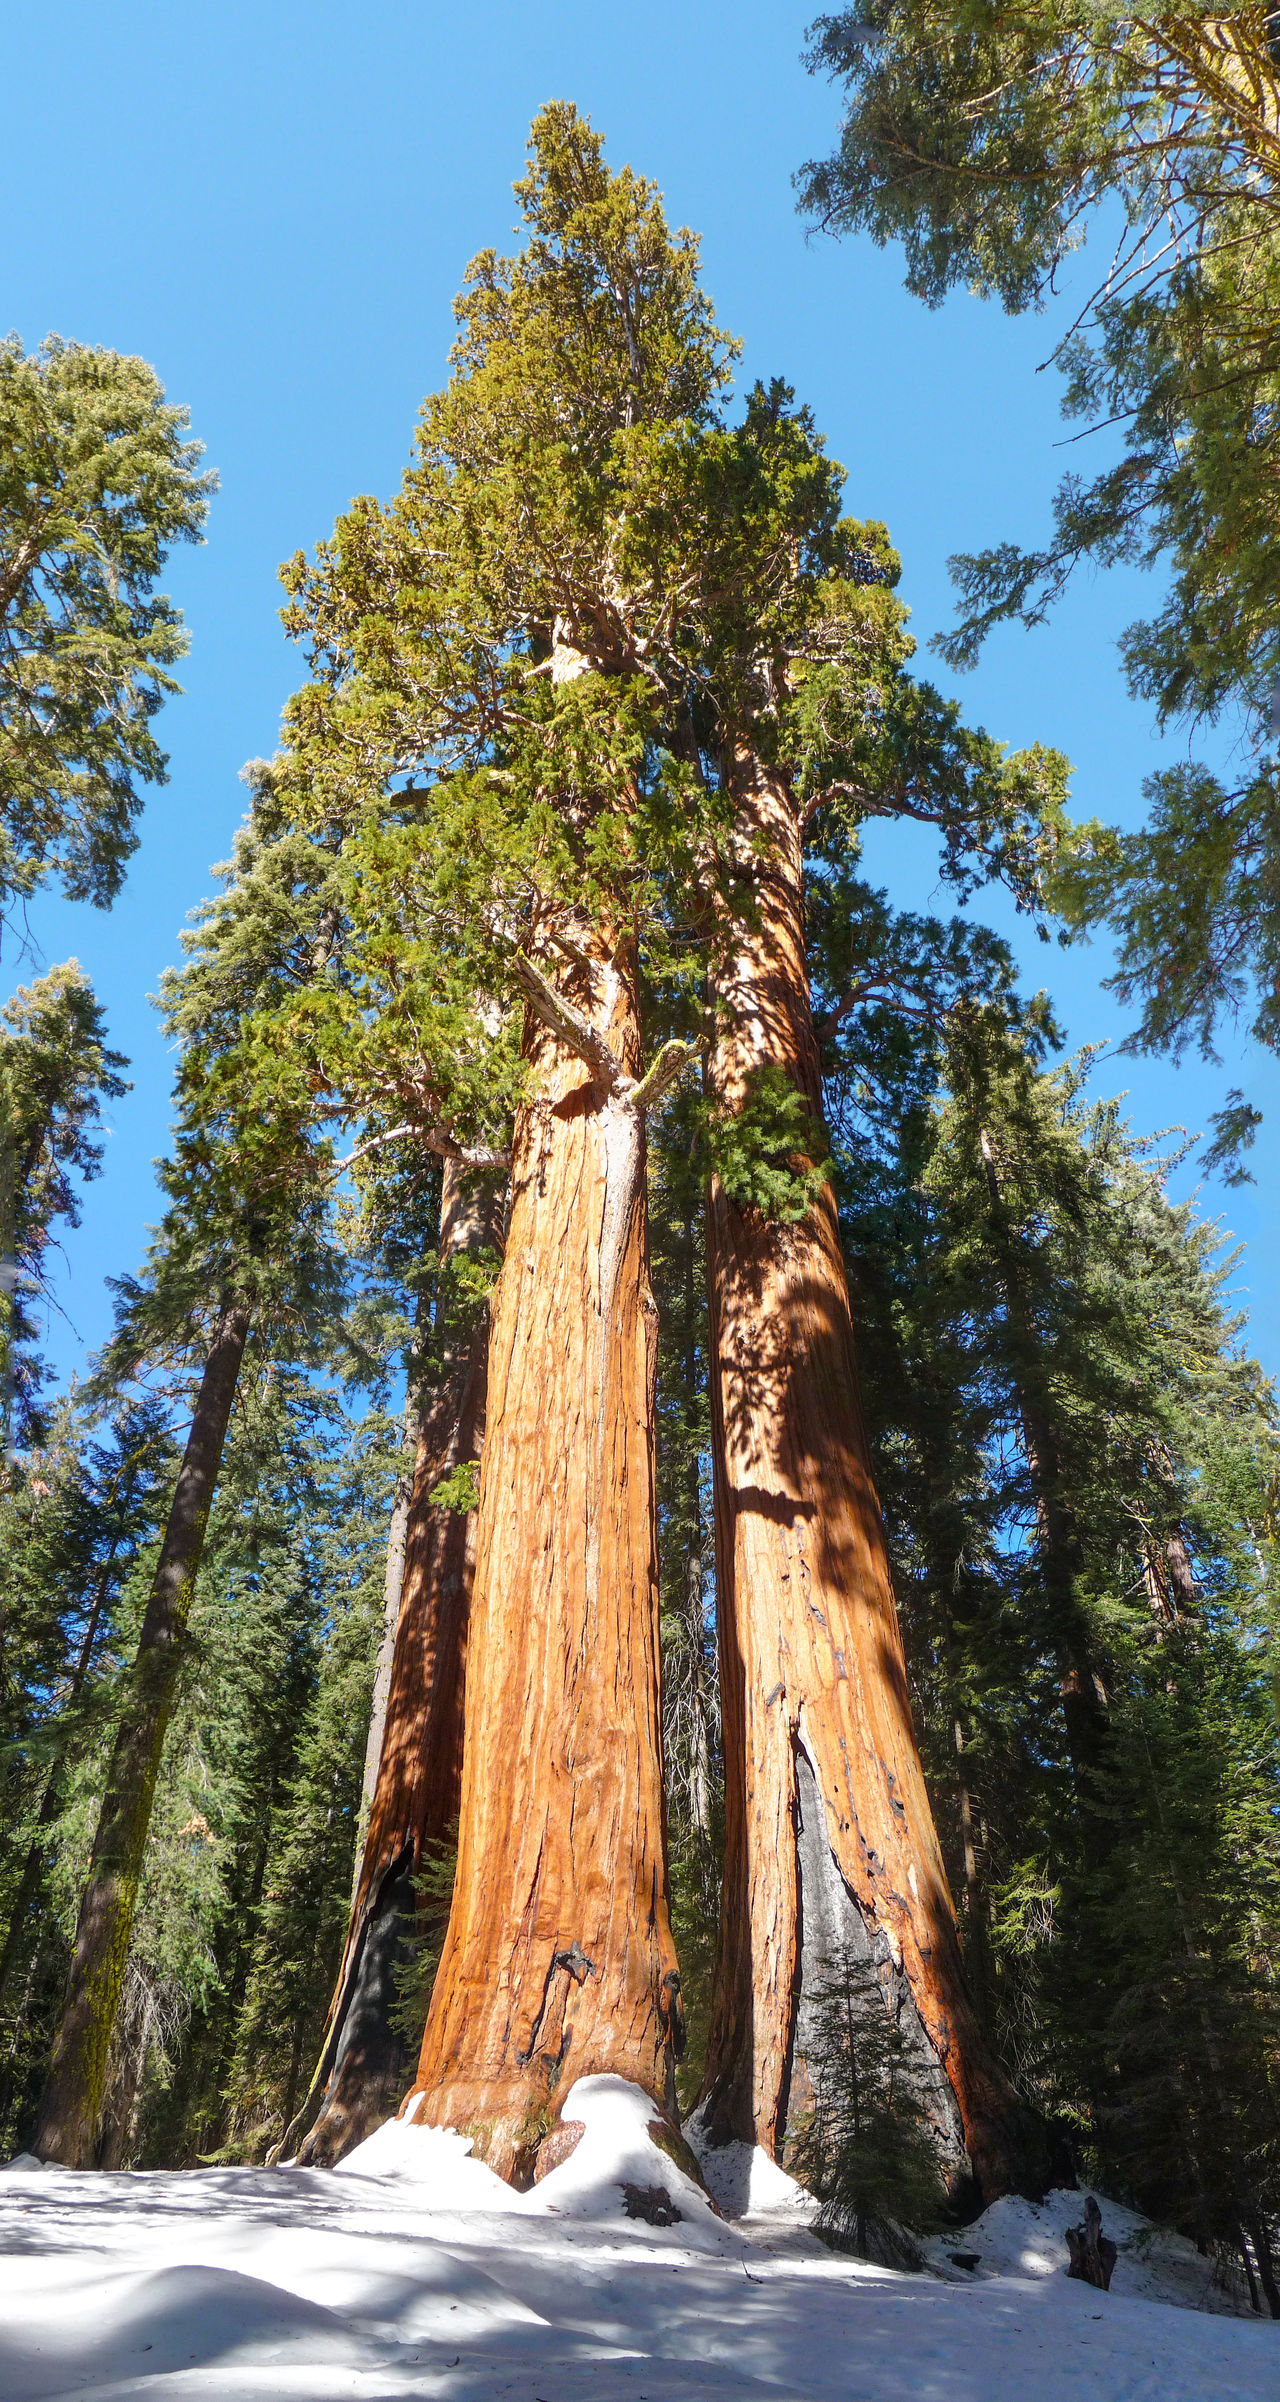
369 2066
508 2120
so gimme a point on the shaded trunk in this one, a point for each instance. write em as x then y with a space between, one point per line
699 1705
416 1732
1167 1569
558 1961
977 1940
830 1845
69 2113
392 1596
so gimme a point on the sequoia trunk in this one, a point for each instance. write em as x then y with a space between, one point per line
69 2113
418 1763
558 1961
830 1844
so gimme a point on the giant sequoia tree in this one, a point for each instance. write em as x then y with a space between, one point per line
509 822
554 719
809 725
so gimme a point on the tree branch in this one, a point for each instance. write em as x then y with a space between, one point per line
666 1068
570 1026
433 1139
888 994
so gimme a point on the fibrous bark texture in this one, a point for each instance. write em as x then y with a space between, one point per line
69 2113
558 1961
830 1844
418 1760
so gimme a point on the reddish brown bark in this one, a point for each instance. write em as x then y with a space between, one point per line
414 1804
829 1835
558 1960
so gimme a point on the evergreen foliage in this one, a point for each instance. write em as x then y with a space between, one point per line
530 678
97 481
864 2151
56 1070
1077 1466
986 138
241 1905
691 1752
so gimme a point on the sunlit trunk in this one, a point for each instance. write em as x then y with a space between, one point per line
558 1960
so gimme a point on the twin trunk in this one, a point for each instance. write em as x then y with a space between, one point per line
558 1961
416 1735
69 2113
830 1844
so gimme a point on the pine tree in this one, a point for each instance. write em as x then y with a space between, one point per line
284 1614
56 1071
244 1239
75 1525
866 2152
96 482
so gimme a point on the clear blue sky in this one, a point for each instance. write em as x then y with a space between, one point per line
274 204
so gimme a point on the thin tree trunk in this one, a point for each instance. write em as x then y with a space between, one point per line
558 1961
977 1947
700 1713
830 1845
392 1596
68 2124
417 1765
51 1800
1084 1700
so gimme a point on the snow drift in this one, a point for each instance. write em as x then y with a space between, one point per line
412 2271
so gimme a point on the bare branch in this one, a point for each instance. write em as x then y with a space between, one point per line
569 1025
433 1139
886 994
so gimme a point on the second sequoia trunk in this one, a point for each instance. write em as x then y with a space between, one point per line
414 1804
830 1846
558 1960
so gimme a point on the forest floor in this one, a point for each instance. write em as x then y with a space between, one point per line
413 2271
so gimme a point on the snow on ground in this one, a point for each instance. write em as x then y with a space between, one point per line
1027 2239
406 2274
